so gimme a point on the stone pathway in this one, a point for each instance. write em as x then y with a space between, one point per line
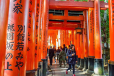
61 71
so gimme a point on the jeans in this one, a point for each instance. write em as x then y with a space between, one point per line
73 65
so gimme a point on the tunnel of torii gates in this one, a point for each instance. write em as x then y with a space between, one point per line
26 28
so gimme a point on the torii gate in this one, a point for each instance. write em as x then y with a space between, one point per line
93 54
18 15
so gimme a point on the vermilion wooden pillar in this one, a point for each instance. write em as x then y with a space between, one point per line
97 31
4 9
75 42
16 48
43 29
31 37
63 36
82 47
98 61
67 40
36 35
91 40
54 38
91 31
39 32
47 22
44 26
111 30
78 48
86 39
73 37
69 37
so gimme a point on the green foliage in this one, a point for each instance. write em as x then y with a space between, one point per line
85 0
105 25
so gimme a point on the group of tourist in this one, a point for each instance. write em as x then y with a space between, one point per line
64 54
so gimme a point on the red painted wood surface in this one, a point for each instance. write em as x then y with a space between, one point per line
111 28
91 31
86 38
97 30
39 32
44 25
74 5
4 9
16 48
31 37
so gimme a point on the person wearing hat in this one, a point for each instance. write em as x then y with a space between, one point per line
72 59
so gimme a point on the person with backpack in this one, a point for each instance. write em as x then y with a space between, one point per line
62 57
58 51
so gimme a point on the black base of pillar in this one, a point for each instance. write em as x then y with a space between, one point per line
98 67
78 62
44 69
85 64
111 68
30 73
90 65
81 64
38 72
40 65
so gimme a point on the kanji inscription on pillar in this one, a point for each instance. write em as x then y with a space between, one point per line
15 62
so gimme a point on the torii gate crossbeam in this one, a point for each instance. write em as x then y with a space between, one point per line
74 5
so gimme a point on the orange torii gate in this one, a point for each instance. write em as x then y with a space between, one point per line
18 32
93 7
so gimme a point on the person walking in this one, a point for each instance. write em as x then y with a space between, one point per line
54 53
51 54
72 59
58 51
65 49
62 57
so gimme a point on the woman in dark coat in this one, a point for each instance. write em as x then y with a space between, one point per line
72 59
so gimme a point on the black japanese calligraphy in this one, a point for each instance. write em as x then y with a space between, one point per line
9 45
17 8
35 54
20 37
10 36
11 27
20 46
31 2
28 49
8 65
19 64
9 55
35 47
28 36
19 56
21 28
